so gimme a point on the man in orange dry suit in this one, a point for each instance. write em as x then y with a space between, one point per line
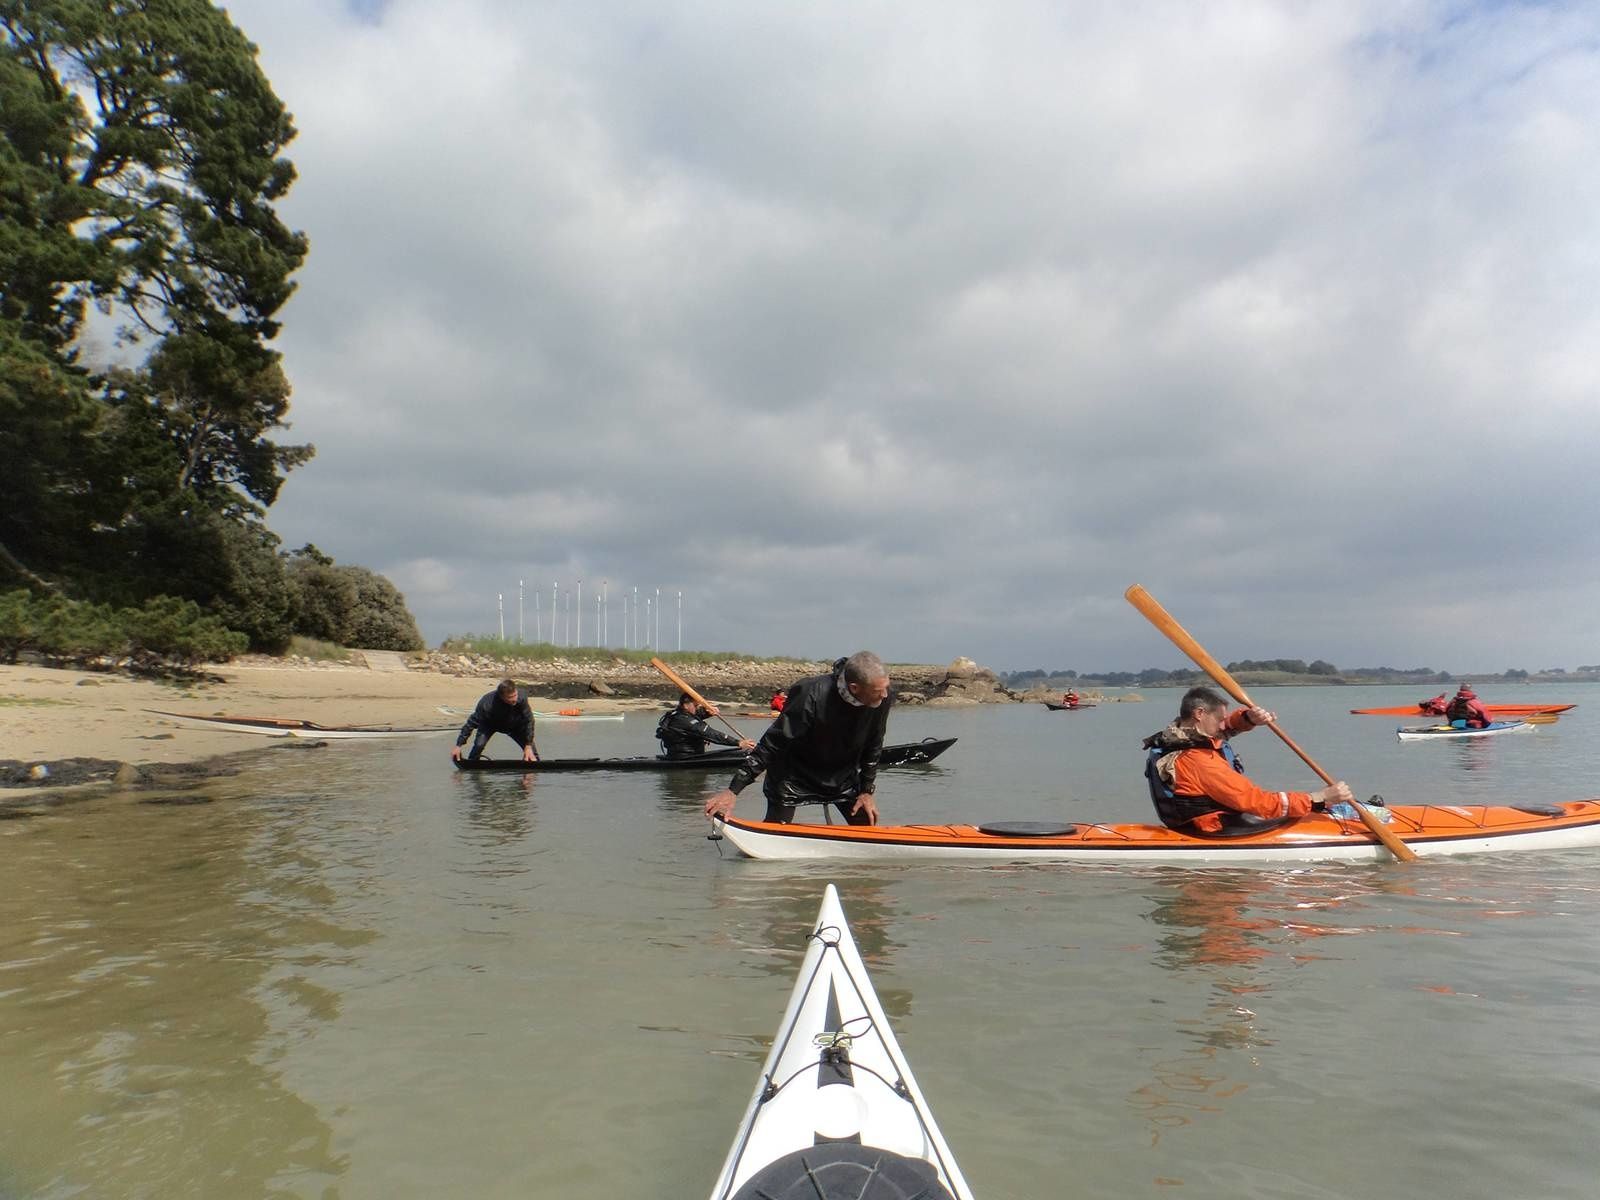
1070 699
1198 783
1465 711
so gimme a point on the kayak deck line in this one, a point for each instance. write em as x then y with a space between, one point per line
1427 829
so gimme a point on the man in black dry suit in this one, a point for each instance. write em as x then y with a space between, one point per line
505 710
824 746
683 732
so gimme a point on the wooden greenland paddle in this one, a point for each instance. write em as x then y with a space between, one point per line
1181 638
683 687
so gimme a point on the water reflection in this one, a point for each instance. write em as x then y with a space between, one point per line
768 919
498 807
156 967
1209 931
680 790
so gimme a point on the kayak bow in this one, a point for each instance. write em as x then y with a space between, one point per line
837 1114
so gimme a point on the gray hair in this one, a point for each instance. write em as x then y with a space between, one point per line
863 667
1200 699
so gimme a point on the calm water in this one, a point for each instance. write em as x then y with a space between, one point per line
353 973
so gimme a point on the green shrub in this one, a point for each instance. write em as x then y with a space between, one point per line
380 619
76 631
19 623
166 629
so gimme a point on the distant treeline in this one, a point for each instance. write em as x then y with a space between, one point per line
1279 670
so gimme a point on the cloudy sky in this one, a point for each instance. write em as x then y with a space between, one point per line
929 328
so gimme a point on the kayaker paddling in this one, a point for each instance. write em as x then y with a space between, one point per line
1198 784
824 748
683 732
1465 710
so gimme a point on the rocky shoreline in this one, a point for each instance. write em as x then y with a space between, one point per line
962 682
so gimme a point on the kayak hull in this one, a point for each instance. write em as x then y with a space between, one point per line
294 727
1429 733
905 754
1427 829
1494 710
836 1083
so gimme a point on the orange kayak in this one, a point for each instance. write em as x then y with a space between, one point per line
1495 710
1429 829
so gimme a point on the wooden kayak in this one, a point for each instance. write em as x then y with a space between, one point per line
837 1114
1429 829
906 754
1494 710
1428 733
294 727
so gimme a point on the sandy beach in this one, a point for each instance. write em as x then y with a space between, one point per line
48 715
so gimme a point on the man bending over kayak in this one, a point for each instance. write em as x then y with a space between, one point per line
1198 783
824 746
505 710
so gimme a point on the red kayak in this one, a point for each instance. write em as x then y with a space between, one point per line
1495 710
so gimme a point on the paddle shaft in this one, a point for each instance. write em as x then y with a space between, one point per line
683 687
1181 638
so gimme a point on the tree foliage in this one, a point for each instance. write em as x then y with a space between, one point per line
141 159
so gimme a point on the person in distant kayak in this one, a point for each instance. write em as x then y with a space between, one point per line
1465 710
779 699
824 746
1070 699
683 732
1434 707
1198 783
505 710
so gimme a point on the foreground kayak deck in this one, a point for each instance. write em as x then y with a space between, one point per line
836 1114
905 754
1427 828
1432 732
294 727
1494 710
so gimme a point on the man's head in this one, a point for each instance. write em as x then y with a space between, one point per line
866 678
1465 690
1204 710
689 704
507 691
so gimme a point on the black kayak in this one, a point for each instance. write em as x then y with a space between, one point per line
905 754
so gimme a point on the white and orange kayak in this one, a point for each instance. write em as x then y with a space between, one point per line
1429 829
836 1114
